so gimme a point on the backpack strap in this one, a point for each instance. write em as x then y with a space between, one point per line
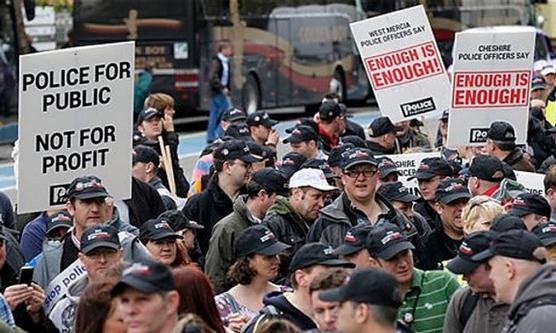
469 304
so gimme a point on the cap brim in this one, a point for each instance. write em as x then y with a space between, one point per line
333 295
274 249
249 158
323 187
97 245
336 263
57 226
163 235
293 139
484 255
135 283
391 251
548 241
518 212
347 166
92 195
455 196
195 226
406 198
422 176
270 123
458 265
388 171
346 249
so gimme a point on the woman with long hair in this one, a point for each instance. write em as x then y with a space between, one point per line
197 297
97 312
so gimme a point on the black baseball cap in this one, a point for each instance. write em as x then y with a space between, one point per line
329 110
546 232
487 168
395 191
260 118
355 140
530 203
178 221
156 229
368 285
101 235
386 167
380 126
59 220
234 149
260 151
239 131
234 114
147 114
501 131
147 276
258 240
315 163
451 189
356 156
145 154
445 115
538 83
505 222
518 244
88 187
471 245
433 166
302 133
271 180
355 240
305 122
312 254
386 241
290 163
335 157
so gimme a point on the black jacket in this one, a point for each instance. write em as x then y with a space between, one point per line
427 212
518 162
338 217
215 76
278 307
380 150
438 248
145 203
207 208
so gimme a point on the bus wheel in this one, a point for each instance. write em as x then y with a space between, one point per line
251 96
338 85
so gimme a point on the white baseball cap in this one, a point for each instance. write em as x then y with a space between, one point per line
539 65
312 178
549 69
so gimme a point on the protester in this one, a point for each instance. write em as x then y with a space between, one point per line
358 204
148 298
473 308
249 209
260 127
160 240
451 197
485 174
326 313
354 248
219 79
256 250
410 137
57 226
479 214
310 260
368 302
232 116
429 174
100 251
331 125
97 312
197 297
304 140
335 162
232 163
187 229
382 136
501 144
521 280
34 233
290 163
550 190
531 208
390 250
388 170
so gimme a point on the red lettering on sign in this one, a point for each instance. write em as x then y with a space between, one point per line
405 65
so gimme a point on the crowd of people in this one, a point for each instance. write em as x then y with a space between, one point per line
324 238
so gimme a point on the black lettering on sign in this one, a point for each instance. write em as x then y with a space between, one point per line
478 135
74 161
418 107
58 194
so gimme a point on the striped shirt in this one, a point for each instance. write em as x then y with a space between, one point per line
426 302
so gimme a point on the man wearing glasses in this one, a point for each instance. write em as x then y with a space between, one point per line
232 165
358 204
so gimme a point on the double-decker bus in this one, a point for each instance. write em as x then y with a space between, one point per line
286 52
13 42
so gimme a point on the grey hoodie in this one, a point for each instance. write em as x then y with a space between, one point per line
540 318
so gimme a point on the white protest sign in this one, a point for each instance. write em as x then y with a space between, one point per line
533 182
58 287
403 64
408 164
490 82
75 119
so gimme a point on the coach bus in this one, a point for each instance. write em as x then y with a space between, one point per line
13 42
286 52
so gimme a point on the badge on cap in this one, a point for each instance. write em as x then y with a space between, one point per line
328 251
162 225
137 268
465 249
390 236
267 236
349 237
98 235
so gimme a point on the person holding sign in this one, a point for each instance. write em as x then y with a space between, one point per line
501 144
100 251
550 190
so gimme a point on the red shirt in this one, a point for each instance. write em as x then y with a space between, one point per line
330 139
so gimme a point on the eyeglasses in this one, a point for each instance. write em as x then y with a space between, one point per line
243 164
355 173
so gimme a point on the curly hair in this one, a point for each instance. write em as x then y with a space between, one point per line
240 272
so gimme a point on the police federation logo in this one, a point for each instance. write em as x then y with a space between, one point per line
68 316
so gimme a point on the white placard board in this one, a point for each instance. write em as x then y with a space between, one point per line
407 165
403 64
533 182
75 119
491 82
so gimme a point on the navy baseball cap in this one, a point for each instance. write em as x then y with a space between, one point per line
330 110
59 220
98 236
88 187
546 232
239 131
433 166
386 241
476 242
395 191
146 276
505 222
234 114
312 254
302 133
380 126
518 244
258 240
356 156
178 221
335 157
501 131
156 229
487 167
530 203
290 163
235 149
451 189
271 180
355 240
145 154
260 118
387 167
147 114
